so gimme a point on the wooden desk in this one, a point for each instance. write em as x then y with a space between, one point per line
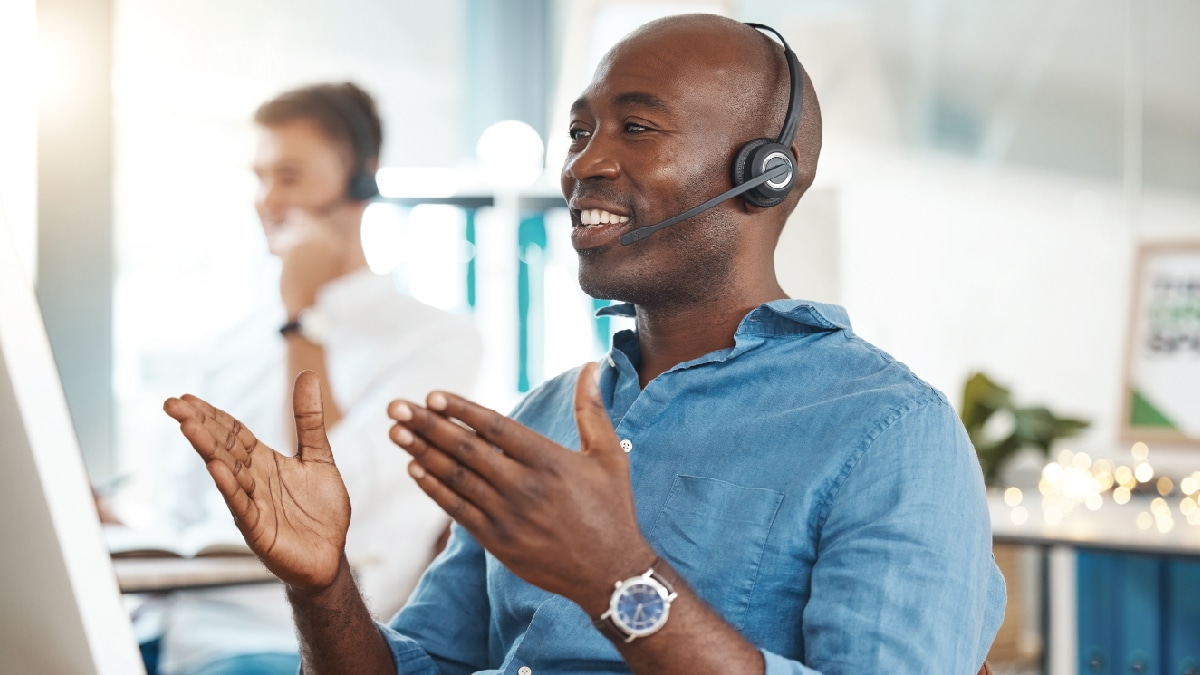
158 575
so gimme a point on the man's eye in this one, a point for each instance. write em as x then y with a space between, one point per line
635 128
579 133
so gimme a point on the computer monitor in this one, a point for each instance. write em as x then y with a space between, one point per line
60 611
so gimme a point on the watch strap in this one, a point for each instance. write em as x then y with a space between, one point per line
609 629
309 323
657 573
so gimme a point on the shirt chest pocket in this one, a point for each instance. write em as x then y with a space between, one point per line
713 533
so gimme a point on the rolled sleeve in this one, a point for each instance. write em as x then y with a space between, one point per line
410 658
778 665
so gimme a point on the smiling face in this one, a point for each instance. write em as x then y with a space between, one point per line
652 136
298 168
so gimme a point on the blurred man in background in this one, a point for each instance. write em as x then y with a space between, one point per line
318 150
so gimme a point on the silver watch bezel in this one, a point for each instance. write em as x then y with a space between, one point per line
648 578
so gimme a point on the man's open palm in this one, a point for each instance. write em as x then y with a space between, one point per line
293 511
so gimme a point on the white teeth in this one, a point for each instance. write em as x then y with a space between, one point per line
600 217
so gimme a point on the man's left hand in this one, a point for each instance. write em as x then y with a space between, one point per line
563 521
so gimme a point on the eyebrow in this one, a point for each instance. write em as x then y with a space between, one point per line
641 98
631 98
282 166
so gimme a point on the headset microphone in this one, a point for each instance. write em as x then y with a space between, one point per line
640 233
764 171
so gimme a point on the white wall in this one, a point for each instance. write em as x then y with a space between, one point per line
18 126
1024 275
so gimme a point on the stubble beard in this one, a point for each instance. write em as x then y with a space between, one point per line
695 265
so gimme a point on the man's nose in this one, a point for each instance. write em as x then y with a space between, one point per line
597 159
270 202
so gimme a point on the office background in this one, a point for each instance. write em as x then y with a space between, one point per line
989 172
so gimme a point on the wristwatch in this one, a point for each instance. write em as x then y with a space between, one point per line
310 323
639 606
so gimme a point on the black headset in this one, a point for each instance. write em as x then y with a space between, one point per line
763 154
362 185
764 170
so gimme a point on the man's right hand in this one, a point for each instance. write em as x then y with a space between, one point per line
293 511
318 250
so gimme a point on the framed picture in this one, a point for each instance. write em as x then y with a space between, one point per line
1161 391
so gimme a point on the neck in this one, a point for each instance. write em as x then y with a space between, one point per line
679 333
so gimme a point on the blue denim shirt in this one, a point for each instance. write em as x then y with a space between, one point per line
809 488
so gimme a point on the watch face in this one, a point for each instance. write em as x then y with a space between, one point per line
641 607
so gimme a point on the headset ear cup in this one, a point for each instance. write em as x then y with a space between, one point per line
752 161
362 186
744 159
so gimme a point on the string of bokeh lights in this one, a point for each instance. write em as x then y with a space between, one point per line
1074 480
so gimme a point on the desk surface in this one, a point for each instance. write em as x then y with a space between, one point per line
147 575
1111 528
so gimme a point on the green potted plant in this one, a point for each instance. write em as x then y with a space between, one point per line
1011 430
1034 427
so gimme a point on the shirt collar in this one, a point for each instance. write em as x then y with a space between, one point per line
787 316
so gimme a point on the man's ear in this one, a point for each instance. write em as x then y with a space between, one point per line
751 209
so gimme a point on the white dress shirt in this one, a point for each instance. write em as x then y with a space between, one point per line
381 345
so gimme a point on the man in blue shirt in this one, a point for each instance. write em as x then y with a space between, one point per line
742 486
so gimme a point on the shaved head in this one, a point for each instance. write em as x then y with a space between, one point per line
654 134
754 83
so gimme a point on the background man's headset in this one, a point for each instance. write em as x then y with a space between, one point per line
764 171
361 186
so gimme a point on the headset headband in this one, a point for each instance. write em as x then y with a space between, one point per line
791 120
357 125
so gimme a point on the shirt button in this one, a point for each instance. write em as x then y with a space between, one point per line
525 670
626 444
611 363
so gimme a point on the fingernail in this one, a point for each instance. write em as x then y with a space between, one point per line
416 470
437 401
596 376
404 437
402 412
